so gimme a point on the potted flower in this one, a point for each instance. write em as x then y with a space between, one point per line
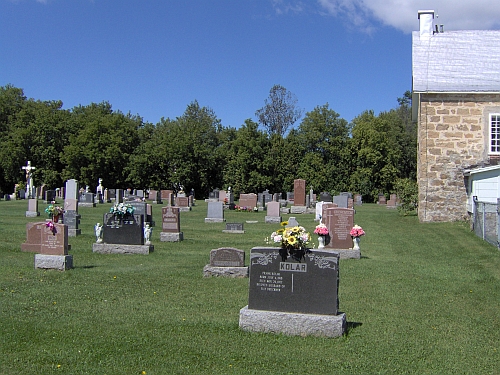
122 209
54 212
322 231
355 233
293 241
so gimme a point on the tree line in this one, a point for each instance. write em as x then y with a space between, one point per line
370 155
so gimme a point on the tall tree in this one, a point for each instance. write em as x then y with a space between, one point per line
323 140
280 111
102 146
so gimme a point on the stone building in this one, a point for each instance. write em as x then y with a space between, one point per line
456 101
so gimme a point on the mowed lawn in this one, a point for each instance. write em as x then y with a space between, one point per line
424 299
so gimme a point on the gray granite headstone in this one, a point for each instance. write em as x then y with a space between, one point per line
227 257
215 212
341 200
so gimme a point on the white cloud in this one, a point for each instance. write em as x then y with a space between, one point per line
402 14
286 6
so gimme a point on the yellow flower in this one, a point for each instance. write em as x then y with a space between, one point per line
284 223
291 240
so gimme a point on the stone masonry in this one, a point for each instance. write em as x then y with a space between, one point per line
453 135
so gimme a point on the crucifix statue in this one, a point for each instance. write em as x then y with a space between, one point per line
29 179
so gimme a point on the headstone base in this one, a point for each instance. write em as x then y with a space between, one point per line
111 248
32 214
284 210
292 324
171 237
233 231
273 219
184 209
346 253
56 262
74 232
211 200
214 220
80 204
298 209
235 272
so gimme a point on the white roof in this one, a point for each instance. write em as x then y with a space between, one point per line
456 61
468 172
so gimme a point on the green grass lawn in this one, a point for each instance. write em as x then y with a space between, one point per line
424 299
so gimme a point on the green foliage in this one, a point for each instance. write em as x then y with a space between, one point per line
407 192
196 152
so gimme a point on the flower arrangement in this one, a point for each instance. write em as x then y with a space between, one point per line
293 241
244 208
321 230
357 231
122 209
53 210
51 226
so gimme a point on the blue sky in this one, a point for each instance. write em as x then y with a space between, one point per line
153 57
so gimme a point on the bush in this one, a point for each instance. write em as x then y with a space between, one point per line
407 192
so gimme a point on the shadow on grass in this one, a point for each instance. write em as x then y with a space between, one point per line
351 326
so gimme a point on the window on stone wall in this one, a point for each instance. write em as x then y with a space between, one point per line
495 133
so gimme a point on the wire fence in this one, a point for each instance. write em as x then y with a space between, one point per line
486 221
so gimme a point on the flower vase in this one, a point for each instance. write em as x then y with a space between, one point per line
355 242
321 242
55 218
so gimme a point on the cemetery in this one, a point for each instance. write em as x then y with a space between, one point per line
209 301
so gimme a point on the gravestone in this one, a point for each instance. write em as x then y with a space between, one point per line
339 222
341 200
50 196
21 194
234 228
86 200
325 197
318 211
72 219
358 199
41 239
299 192
122 235
226 262
392 202
165 195
183 204
293 298
215 212
381 199
289 197
222 196
32 208
144 209
112 195
248 200
171 225
155 196
119 196
273 213
71 216
264 198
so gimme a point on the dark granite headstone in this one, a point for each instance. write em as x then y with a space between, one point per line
86 198
309 287
227 257
50 195
127 229
325 197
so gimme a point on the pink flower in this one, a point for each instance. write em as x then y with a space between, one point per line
321 230
51 226
357 231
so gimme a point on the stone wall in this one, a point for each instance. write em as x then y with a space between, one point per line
453 135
